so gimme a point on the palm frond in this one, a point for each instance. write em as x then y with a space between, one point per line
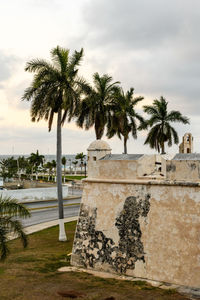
60 58
76 59
176 116
12 207
4 250
36 65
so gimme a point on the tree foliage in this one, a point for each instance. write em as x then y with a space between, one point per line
55 89
93 109
10 212
8 167
159 123
123 118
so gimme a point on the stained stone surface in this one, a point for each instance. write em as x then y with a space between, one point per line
93 246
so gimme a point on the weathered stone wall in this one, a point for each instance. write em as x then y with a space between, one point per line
185 170
140 228
149 164
113 169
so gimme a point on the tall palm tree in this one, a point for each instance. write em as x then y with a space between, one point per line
122 117
49 167
64 161
36 160
94 108
80 156
10 209
160 123
55 89
75 162
53 163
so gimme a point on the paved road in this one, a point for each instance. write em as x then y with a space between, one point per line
49 214
45 215
46 203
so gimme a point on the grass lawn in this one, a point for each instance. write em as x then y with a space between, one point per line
74 177
31 274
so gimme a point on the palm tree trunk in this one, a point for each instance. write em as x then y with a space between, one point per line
98 130
64 174
125 145
62 234
81 167
163 148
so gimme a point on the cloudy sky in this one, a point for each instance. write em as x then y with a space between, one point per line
151 45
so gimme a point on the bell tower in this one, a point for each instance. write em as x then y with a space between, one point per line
187 144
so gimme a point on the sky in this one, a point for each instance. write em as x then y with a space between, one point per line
151 45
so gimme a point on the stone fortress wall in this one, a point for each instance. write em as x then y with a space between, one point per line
138 219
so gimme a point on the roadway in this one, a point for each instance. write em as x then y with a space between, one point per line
44 211
45 215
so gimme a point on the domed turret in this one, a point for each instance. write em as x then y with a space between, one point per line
96 151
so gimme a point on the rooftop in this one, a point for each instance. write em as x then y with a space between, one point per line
122 157
99 145
187 156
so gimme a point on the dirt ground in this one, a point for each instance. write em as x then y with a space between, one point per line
32 274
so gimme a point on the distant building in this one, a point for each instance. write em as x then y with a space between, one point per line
187 144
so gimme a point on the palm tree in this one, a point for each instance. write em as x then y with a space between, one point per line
75 163
36 160
10 209
55 89
53 163
160 123
122 116
64 161
80 156
70 169
94 108
49 167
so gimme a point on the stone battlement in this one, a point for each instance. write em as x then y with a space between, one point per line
140 216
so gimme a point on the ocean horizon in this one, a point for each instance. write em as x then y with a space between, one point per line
48 157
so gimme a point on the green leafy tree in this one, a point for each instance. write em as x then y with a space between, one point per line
159 122
23 165
122 117
8 167
10 210
93 110
81 157
55 89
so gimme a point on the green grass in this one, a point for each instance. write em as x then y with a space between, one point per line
1 271
32 273
170 291
75 177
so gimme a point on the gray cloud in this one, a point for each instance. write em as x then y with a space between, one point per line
6 66
23 139
138 23
151 45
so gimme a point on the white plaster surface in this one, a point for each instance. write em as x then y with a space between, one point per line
35 194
